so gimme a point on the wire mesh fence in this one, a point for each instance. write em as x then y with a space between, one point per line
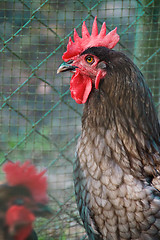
38 118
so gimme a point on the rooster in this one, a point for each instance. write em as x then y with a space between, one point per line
23 196
116 172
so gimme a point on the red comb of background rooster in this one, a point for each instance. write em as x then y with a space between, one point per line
93 40
27 175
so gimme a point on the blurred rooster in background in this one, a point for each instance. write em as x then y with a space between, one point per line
116 172
23 196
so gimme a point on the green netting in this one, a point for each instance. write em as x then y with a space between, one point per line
38 118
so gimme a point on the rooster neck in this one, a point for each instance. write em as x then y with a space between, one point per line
97 111
131 107
129 135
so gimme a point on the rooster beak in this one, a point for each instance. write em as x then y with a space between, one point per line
43 210
66 67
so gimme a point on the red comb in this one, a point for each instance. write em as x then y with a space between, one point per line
93 40
27 175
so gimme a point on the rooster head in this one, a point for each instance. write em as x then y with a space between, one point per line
27 175
22 197
81 60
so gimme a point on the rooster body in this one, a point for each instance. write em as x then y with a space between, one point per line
116 172
114 194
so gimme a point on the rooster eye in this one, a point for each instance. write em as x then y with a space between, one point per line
89 59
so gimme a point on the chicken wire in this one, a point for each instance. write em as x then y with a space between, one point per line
38 118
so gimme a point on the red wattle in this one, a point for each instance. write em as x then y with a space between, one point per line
101 74
80 87
16 215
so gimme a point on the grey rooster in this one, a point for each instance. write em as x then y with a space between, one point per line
116 172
